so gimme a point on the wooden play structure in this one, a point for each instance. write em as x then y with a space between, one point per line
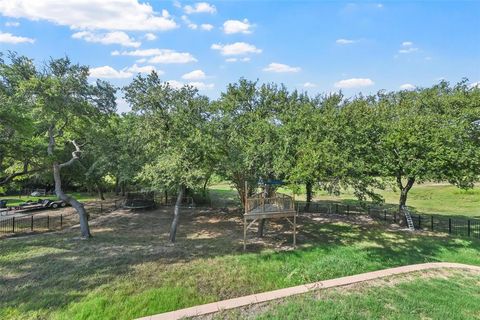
260 206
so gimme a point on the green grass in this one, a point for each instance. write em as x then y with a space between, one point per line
442 297
439 199
15 200
126 271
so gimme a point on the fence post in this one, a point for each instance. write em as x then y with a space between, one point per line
449 225
348 209
101 207
419 222
336 208
31 223
468 225
13 225
431 222
48 222
61 222
385 214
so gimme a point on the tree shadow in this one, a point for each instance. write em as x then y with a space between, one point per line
50 271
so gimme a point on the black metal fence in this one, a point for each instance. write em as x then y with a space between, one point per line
39 222
452 225
32 223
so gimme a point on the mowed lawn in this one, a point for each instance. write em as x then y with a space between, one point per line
439 294
430 198
128 270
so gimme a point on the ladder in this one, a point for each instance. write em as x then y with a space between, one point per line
408 217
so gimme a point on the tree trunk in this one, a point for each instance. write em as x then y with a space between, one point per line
309 188
176 213
117 186
82 214
123 189
100 192
404 195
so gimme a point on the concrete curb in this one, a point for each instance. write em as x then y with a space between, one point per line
282 293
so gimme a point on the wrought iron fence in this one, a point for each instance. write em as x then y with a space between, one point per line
436 223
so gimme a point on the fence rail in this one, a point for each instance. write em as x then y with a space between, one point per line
451 225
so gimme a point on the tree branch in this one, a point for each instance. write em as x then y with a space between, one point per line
75 155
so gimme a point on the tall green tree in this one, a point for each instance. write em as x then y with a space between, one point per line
426 135
174 126
65 106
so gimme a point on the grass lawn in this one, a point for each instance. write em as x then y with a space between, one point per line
15 200
442 199
128 270
428 295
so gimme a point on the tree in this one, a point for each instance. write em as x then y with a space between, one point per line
20 144
174 126
64 106
426 135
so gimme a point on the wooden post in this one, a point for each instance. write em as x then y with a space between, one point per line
468 227
13 225
295 229
449 225
31 223
419 222
431 223
244 233
48 222
61 222
385 214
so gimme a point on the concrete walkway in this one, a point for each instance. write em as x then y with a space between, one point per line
282 293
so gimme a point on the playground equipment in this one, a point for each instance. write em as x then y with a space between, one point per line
260 206
139 200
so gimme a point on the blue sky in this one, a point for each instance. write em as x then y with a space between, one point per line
308 45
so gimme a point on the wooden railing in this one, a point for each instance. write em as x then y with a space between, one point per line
280 202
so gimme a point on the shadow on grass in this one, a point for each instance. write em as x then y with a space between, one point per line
45 273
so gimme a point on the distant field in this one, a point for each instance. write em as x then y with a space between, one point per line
431 198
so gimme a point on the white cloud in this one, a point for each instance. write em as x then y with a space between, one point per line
407 47
281 68
206 26
150 36
175 84
143 69
237 26
189 23
115 37
309 85
345 41
237 48
244 59
171 56
108 72
475 85
12 24
6 37
159 55
200 7
194 75
201 85
407 86
354 83
177 4
91 14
